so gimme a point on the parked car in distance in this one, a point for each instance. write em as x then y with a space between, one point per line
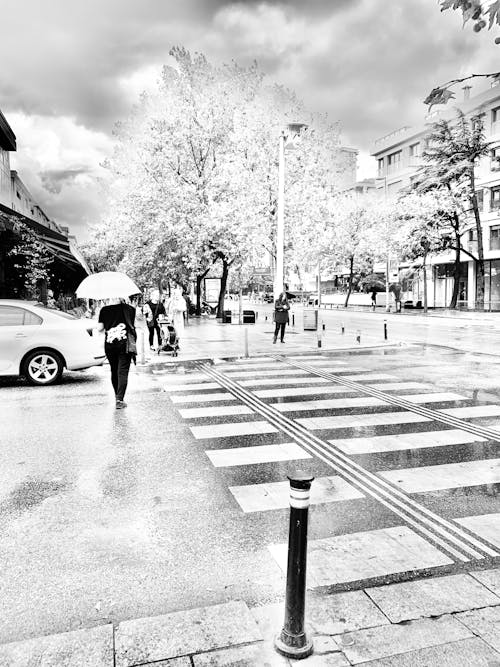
39 343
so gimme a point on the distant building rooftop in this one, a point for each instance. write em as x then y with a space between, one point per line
7 136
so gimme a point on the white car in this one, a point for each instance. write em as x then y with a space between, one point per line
39 342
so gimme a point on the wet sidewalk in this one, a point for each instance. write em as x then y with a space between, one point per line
209 338
443 621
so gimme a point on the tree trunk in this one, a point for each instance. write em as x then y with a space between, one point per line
424 266
351 273
223 285
456 268
199 279
480 249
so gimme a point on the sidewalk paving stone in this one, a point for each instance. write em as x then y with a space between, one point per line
489 578
79 648
183 633
387 640
466 653
343 612
485 623
255 655
176 662
431 597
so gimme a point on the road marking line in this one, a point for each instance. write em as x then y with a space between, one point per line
276 495
392 443
192 387
232 429
362 401
242 456
214 411
203 398
445 476
486 525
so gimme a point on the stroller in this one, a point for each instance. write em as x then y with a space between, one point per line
169 340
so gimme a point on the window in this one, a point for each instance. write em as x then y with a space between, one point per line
12 316
472 235
495 237
495 120
480 199
380 163
17 194
393 162
414 150
495 159
495 199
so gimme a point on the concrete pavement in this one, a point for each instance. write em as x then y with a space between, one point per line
339 329
452 620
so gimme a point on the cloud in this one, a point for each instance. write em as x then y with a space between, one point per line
60 162
75 68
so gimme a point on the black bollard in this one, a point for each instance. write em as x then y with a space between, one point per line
385 329
358 336
293 319
342 328
292 640
323 326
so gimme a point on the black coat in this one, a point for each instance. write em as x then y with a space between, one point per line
281 308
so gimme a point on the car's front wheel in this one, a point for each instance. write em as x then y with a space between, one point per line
43 367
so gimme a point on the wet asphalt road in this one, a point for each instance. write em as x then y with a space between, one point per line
108 515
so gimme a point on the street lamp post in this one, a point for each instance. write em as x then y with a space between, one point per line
293 131
387 257
280 228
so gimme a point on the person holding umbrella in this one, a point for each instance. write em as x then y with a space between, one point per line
281 308
117 320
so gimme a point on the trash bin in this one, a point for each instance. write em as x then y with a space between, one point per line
310 319
226 317
249 317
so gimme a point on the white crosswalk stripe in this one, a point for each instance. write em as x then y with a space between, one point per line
402 441
240 456
276 495
447 476
363 401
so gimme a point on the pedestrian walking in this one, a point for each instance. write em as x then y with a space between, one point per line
152 310
281 308
117 320
374 299
176 309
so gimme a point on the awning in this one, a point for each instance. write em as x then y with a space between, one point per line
56 243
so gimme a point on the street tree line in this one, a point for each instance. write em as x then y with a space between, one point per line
193 180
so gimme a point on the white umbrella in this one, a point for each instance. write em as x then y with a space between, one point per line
106 285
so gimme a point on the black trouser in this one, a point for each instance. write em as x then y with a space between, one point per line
152 328
280 325
119 362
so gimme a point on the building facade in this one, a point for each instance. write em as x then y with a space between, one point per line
399 156
18 206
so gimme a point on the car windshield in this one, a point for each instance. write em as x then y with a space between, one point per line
59 313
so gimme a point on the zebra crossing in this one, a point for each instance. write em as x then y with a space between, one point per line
371 438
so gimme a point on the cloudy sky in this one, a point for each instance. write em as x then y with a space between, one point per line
72 68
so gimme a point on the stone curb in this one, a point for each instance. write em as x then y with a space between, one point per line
453 619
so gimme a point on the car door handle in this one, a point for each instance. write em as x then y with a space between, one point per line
20 335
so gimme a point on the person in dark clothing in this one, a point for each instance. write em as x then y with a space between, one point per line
116 320
281 308
374 298
152 310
